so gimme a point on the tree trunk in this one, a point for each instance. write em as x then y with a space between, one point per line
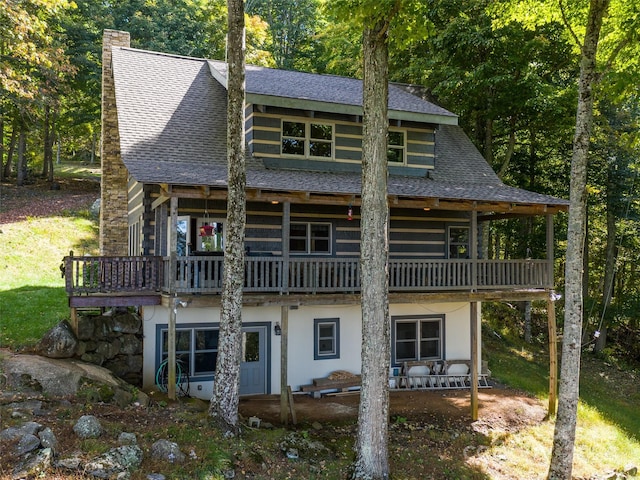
224 402
22 161
45 141
565 429
527 321
12 146
371 442
49 145
610 263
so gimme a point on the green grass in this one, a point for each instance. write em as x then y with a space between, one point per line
77 170
32 294
608 432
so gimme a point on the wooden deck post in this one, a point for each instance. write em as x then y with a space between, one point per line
474 361
284 389
553 354
173 311
286 225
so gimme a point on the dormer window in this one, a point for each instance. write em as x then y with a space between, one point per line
395 147
307 139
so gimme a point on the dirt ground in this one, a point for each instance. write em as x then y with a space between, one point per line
499 408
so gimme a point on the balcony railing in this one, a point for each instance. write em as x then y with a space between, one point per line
271 274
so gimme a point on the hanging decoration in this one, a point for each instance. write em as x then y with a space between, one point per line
350 213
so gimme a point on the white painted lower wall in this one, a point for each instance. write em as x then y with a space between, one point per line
302 368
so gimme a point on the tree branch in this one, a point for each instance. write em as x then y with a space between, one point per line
568 25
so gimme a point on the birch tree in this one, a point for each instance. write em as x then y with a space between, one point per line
373 416
224 402
568 392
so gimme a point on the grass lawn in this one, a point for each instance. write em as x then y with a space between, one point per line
32 294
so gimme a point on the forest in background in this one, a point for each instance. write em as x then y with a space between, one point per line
510 75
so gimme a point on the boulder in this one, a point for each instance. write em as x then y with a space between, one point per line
130 344
33 465
56 377
27 443
86 327
88 426
115 462
59 342
127 438
48 439
168 451
126 323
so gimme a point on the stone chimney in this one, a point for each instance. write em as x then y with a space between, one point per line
114 223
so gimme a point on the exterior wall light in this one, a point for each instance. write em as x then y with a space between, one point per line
277 329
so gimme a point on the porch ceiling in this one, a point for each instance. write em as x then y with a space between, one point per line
505 208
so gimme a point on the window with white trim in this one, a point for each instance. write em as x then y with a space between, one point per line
326 338
417 338
307 139
309 238
196 348
396 147
458 239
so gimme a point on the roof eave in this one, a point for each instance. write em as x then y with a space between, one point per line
346 109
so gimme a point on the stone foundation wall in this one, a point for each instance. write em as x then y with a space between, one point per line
113 341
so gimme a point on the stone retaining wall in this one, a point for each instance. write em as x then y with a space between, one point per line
113 341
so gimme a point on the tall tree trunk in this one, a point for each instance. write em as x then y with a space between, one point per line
49 145
93 147
224 402
22 161
610 263
373 416
12 146
565 429
45 141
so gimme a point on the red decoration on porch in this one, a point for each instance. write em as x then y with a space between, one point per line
350 213
206 231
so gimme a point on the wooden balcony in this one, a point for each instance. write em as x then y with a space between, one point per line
140 276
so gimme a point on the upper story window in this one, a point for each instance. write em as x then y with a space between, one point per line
310 238
307 139
396 147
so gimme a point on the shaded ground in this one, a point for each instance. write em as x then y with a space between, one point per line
38 199
500 409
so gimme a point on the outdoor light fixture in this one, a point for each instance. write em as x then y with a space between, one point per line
277 329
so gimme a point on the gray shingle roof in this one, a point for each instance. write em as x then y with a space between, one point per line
171 114
328 89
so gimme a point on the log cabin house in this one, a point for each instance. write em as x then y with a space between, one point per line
164 164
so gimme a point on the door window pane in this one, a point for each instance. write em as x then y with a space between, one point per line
250 346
